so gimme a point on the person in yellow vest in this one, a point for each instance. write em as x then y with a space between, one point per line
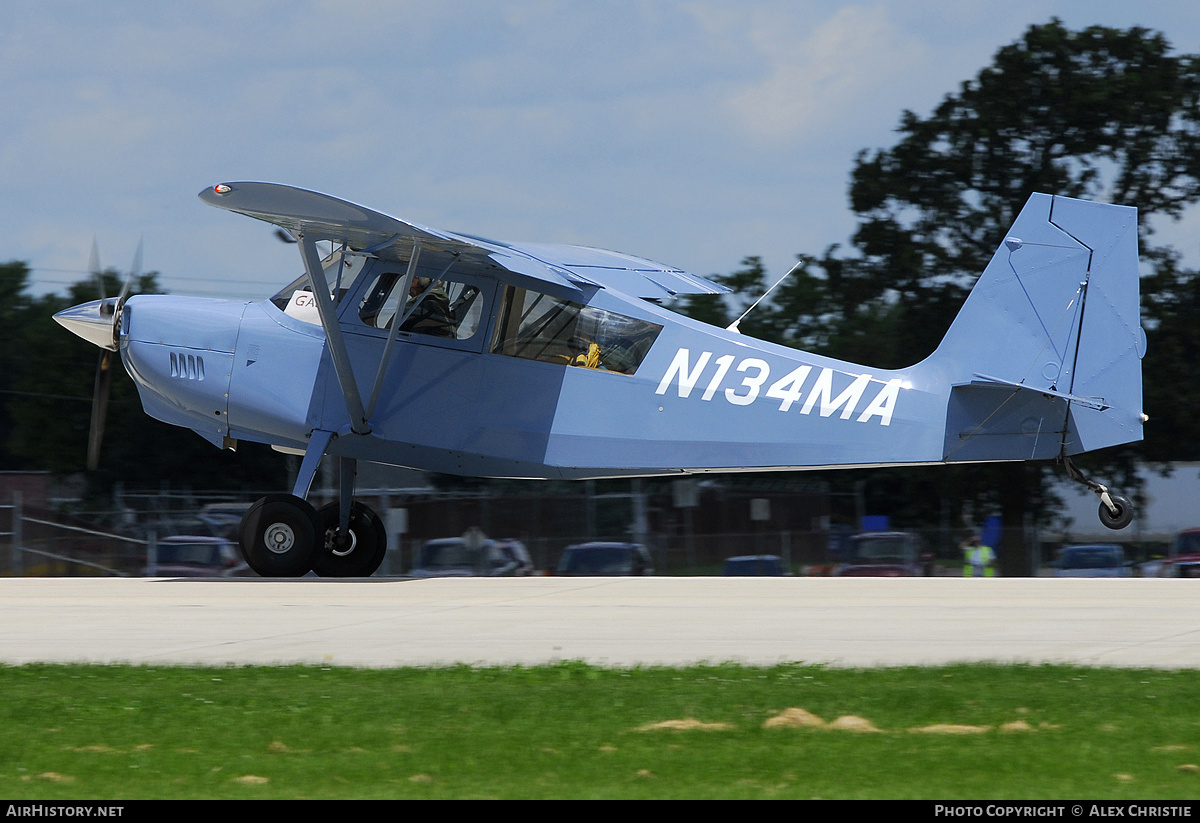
979 560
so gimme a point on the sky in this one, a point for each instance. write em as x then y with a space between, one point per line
691 132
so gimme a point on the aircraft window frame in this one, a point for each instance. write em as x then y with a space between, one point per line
533 325
345 279
469 294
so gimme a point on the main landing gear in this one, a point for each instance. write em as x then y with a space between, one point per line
355 552
1116 512
282 535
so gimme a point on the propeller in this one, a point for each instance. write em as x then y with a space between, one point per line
100 393
99 322
94 267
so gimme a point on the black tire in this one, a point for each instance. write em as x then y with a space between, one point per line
367 543
278 536
1119 519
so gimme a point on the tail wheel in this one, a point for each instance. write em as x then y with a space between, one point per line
356 554
278 536
1119 519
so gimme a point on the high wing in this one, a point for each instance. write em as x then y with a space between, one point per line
321 217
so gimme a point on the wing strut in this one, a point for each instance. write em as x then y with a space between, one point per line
333 334
403 288
398 320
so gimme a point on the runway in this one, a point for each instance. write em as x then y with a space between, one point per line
608 621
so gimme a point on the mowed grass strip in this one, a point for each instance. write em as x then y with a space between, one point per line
572 731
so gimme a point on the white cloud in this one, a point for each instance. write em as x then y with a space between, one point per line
691 131
817 77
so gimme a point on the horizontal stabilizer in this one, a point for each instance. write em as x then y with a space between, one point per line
1090 402
991 421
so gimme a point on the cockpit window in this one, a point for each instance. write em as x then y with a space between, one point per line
537 326
440 308
296 298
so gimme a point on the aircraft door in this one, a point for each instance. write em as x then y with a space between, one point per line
416 345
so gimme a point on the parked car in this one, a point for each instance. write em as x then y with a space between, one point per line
1096 560
194 555
753 565
223 519
1182 560
452 557
1183 565
605 559
883 554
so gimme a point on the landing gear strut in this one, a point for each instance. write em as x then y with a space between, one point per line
1116 512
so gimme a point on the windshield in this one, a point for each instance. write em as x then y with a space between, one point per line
1187 543
598 560
880 550
1093 558
453 554
207 554
296 300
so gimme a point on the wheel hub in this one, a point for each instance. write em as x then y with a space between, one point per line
279 538
339 545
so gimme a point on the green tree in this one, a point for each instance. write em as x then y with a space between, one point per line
1103 114
1171 305
15 311
48 381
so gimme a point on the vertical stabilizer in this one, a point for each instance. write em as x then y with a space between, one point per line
1045 356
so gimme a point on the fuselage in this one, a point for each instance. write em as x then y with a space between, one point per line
457 354
500 399
467 356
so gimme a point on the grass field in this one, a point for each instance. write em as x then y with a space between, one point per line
572 730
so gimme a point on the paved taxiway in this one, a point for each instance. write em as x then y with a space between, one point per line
613 621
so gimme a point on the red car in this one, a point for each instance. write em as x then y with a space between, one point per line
186 555
882 554
1183 560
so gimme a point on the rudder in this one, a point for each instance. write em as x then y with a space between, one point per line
1045 355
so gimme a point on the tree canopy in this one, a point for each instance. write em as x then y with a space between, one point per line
46 381
1103 114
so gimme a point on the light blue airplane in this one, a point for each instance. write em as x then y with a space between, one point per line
452 353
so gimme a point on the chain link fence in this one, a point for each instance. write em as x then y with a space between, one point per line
45 541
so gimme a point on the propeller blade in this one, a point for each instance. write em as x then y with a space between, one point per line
100 394
94 268
135 271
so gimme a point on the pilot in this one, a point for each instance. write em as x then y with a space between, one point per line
432 315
